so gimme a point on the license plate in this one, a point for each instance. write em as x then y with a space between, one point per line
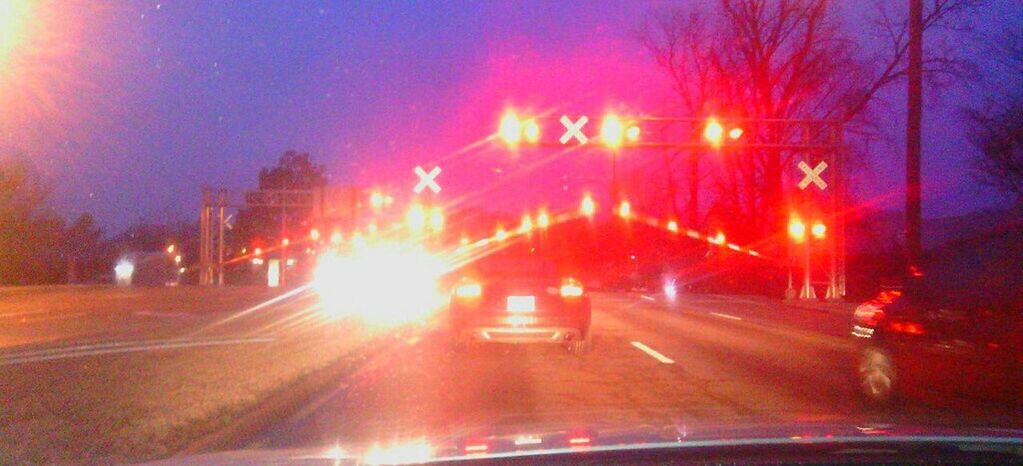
521 304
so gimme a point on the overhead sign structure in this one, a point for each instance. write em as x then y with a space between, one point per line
427 180
813 175
573 129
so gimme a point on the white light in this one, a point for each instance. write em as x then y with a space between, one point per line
124 270
385 284
403 453
670 290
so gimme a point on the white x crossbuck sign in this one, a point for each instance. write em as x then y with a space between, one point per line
813 175
573 129
427 180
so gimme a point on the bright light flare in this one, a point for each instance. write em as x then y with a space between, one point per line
713 132
632 134
588 207
14 17
543 220
376 199
383 284
531 131
501 234
818 230
436 219
510 128
527 224
314 234
571 290
469 290
670 289
124 270
403 453
797 230
416 218
673 226
612 131
624 209
735 133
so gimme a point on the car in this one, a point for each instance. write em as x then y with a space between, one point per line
925 339
519 298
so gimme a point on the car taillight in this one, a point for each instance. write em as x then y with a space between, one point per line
469 290
571 290
907 327
868 315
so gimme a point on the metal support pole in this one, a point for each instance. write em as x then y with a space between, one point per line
834 293
220 239
284 249
203 239
807 292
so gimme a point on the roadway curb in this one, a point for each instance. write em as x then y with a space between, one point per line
285 401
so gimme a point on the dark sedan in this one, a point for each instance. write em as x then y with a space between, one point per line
519 299
923 339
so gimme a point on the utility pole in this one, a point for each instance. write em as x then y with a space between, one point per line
221 201
914 116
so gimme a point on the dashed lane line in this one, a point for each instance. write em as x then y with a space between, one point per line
652 353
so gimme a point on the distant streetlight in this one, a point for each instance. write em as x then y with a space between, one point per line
436 219
285 242
588 207
376 199
177 259
735 133
543 220
624 209
527 224
415 219
314 234
170 249
500 234
335 238
673 226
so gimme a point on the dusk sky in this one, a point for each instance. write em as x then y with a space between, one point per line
129 108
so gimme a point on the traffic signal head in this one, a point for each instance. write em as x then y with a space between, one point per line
510 128
818 230
612 131
797 230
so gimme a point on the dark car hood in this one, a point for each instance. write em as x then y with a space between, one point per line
544 444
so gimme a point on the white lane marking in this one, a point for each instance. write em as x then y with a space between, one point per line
119 347
648 298
652 353
725 316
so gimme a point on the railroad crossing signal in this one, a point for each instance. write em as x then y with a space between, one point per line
813 175
427 180
573 129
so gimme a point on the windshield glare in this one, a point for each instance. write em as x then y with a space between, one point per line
389 232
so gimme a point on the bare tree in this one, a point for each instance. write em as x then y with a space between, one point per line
784 59
996 130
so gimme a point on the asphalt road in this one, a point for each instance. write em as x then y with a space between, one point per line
121 375
705 361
